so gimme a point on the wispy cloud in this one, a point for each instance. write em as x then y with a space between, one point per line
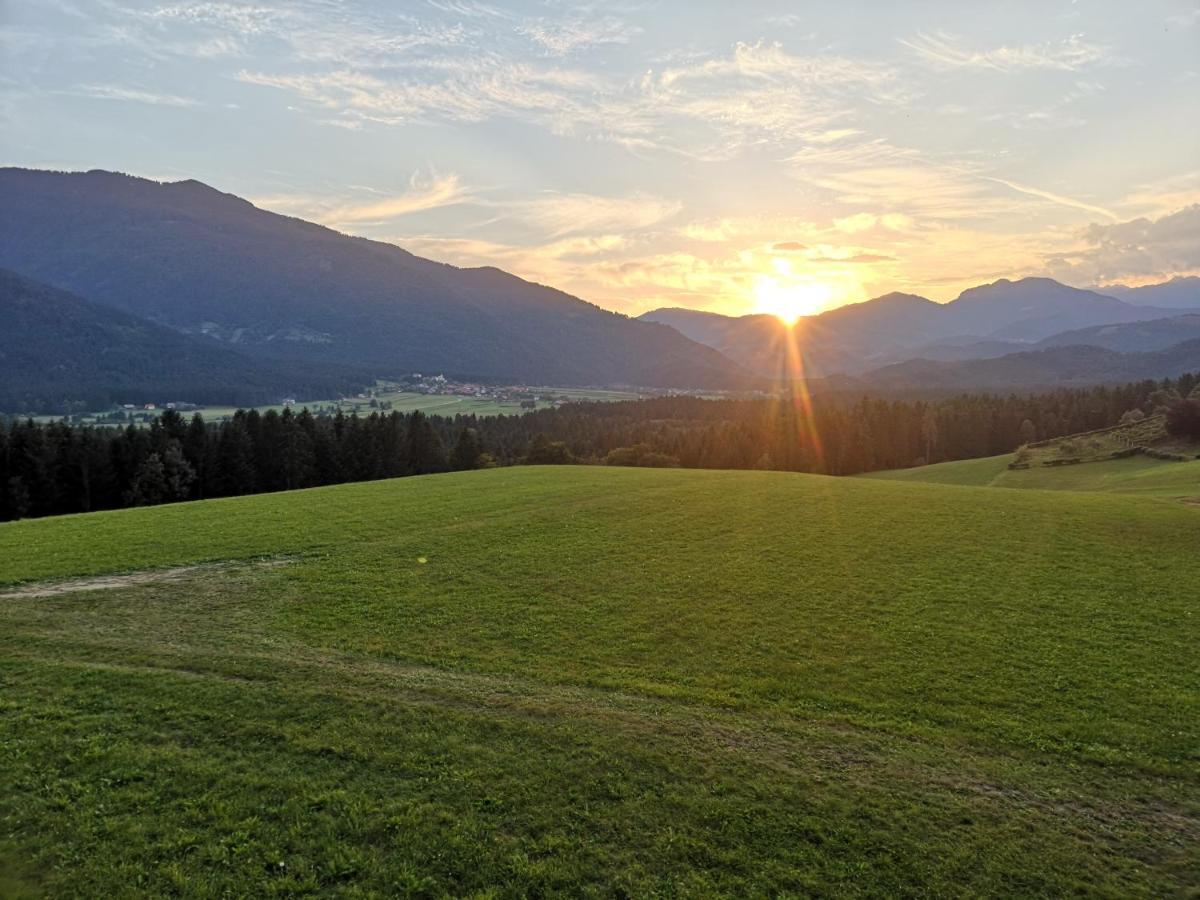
949 51
563 38
425 192
422 195
560 214
1055 198
469 9
131 95
464 90
1185 19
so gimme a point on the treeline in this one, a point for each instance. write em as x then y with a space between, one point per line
57 468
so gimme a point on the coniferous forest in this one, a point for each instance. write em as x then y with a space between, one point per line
52 469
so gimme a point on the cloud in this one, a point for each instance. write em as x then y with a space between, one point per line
824 254
131 95
242 18
1136 249
312 32
564 38
858 258
877 174
463 90
1185 19
1157 198
469 9
424 193
946 51
559 214
440 191
1055 198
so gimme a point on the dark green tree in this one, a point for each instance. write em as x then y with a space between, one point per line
467 452
545 452
149 484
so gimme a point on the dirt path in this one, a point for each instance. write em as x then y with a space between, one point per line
130 579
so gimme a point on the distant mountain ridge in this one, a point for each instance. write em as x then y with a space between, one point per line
1181 292
58 349
203 262
1131 337
989 320
1069 366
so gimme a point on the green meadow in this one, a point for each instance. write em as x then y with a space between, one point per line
611 682
1131 475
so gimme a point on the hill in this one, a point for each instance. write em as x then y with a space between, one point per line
1131 337
1035 369
1161 464
58 350
1181 292
755 342
204 262
595 680
986 321
1034 308
1134 475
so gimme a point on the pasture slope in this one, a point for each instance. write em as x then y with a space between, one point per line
598 681
1131 475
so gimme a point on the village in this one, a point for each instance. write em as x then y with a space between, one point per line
437 394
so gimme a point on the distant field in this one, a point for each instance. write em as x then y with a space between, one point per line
606 681
1135 475
410 401
402 401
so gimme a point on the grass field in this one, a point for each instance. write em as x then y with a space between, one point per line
405 402
609 682
1132 475
402 401
440 404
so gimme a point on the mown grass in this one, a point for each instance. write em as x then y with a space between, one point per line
609 681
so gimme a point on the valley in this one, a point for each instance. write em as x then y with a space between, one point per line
511 449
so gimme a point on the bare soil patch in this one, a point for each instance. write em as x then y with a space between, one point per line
131 579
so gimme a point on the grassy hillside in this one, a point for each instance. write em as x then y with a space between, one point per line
606 681
1133 475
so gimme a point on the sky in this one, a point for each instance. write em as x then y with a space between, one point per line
734 157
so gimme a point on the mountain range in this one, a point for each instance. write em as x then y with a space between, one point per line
119 282
1072 365
1181 292
58 350
205 263
989 320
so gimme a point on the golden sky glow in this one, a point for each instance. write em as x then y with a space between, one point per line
754 157
791 294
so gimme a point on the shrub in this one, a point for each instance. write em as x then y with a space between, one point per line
545 452
640 455
1132 416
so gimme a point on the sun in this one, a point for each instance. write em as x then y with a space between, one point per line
791 299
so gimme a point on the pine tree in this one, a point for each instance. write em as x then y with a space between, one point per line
425 451
178 472
467 451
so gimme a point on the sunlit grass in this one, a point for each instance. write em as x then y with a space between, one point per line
609 681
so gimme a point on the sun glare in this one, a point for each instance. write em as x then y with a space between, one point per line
789 300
